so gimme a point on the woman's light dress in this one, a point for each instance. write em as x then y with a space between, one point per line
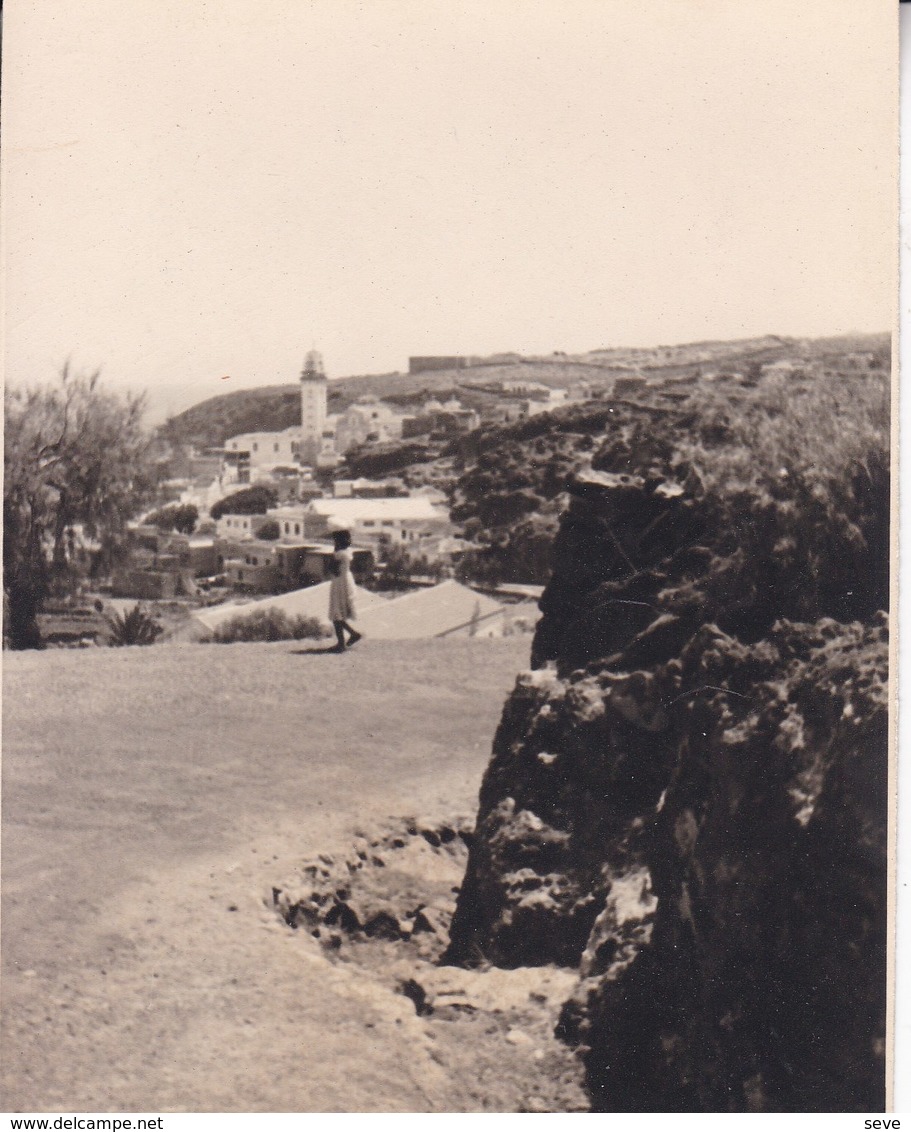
341 589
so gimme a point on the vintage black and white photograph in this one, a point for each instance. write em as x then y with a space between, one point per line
446 556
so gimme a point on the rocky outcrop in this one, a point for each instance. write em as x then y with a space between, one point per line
747 970
576 764
687 800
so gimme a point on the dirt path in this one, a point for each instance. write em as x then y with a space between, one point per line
151 797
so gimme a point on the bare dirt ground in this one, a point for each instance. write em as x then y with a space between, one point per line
153 797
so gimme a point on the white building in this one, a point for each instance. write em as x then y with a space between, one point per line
402 521
291 519
240 526
433 405
367 419
264 450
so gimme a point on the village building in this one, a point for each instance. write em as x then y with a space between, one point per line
429 363
376 522
163 564
441 418
252 454
363 488
368 419
240 526
267 566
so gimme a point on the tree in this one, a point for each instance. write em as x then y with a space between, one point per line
180 517
254 500
74 454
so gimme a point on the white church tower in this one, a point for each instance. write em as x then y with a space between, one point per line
313 405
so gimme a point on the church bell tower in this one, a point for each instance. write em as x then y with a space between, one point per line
313 405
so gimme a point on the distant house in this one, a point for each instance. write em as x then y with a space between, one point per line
525 388
253 571
363 488
240 526
253 452
399 520
443 421
162 564
290 519
367 419
275 566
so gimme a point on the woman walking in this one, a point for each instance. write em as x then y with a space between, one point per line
342 592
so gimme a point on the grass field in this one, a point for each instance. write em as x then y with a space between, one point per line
150 797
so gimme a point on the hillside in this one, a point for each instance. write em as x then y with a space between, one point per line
276 406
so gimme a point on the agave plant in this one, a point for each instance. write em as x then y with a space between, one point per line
135 627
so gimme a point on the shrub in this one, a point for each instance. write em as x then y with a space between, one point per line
135 627
269 625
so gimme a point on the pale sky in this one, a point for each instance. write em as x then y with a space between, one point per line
197 190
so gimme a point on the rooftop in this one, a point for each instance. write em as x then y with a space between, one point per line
434 612
397 507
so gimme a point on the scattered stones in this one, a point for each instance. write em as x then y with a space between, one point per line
496 989
397 888
392 920
433 919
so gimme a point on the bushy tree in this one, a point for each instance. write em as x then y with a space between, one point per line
255 500
74 454
180 517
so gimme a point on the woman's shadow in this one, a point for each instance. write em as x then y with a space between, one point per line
330 650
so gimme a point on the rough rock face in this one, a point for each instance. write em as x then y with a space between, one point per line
576 764
763 983
695 819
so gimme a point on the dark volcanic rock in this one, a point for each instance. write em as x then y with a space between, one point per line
610 561
576 763
762 985
698 821
708 843
687 795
